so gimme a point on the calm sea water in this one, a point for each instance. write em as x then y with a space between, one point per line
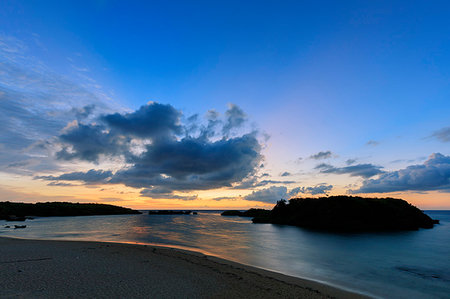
413 264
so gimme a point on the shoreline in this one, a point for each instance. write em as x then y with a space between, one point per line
54 268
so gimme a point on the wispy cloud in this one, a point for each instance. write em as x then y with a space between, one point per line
372 143
36 103
442 134
91 176
362 170
321 155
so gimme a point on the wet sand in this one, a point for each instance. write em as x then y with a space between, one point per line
80 269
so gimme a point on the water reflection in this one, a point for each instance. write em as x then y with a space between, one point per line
403 264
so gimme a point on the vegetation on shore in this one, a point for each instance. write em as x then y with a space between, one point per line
248 213
18 211
345 213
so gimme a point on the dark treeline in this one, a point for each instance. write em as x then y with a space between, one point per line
46 209
348 213
248 213
342 213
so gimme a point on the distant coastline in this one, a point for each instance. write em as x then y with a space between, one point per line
14 211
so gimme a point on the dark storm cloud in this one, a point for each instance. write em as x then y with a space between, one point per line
321 155
433 174
91 176
88 142
150 121
167 160
189 163
362 170
442 134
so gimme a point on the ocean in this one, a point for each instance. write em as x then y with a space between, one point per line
410 264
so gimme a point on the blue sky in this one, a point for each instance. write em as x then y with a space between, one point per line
367 81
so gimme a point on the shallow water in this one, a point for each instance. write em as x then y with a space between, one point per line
413 264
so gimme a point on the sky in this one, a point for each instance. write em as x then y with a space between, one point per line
224 104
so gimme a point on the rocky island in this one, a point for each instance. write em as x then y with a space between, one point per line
16 211
345 213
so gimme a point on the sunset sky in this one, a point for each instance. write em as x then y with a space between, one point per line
213 105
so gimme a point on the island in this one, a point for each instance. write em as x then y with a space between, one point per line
344 213
16 211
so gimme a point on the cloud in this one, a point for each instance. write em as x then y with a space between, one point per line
269 195
213 122
350 161
318 189
91 176
253 182
83 112
433 174
233 198
158 194
362 170
235 117
408 160
285 174
372 143
36 103
273 193
321 155
190 164
442 134
164 159
89 142
323 166
149 121
60 184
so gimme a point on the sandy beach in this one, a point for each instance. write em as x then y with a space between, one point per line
74 269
